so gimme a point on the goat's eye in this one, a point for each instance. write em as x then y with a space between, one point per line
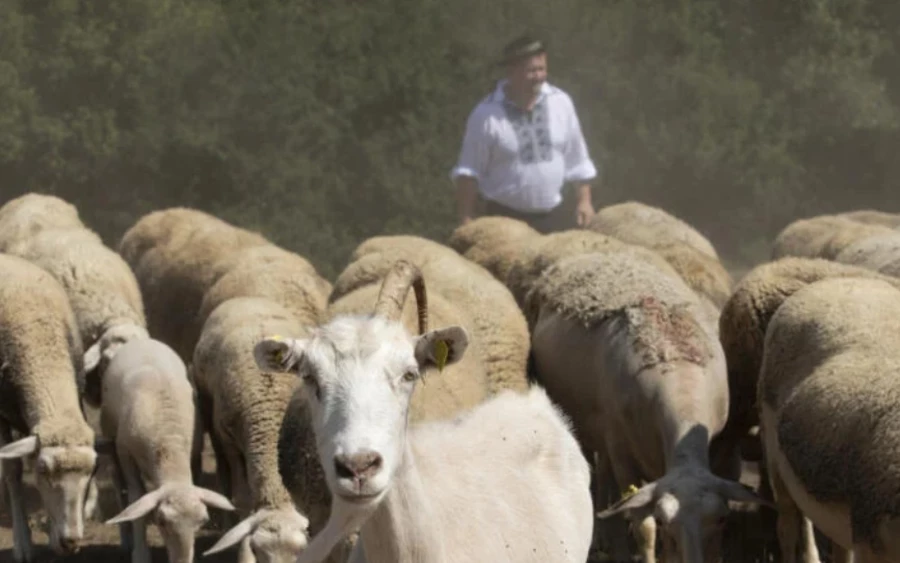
410 376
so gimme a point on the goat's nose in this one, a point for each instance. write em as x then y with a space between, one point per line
359 466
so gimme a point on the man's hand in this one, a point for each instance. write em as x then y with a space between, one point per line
585 209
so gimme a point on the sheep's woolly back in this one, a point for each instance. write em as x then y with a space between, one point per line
272 272
25 216
249 403
41 357
703 273
493 243
831 356
662 313
873 217
500 333
157 227
443 394
745 319
101 287
175 274
551 248
645 225
823 236
879 253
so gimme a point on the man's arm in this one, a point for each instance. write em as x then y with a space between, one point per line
466 198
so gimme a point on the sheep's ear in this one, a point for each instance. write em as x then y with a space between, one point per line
732 490
214 499
92 358
640 500
236 534
279 355
20 448
139 508
441 347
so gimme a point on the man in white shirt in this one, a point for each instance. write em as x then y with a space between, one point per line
523 143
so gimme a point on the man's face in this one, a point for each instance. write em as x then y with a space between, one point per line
527 75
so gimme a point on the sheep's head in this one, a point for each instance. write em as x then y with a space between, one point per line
178 510
275 535
689 506
359 373
62 476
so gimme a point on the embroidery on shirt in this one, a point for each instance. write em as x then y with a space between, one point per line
532 131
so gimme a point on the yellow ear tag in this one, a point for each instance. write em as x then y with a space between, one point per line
279 353
630 491
441 351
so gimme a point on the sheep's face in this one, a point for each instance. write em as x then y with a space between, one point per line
276 535
689 507
359 373
62 476
178 510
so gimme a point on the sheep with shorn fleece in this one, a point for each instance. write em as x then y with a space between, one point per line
822 236
829 423
40 360
645 225
243 410
405 488
175 272
148 415
617 340
499 330
742 330
462 385
25 216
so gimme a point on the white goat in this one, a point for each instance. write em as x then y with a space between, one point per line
505 481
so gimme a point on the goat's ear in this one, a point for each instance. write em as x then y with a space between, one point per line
92 358
441 347
641 500
279 355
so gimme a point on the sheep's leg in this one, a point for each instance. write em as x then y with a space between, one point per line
795 532
23 550
140 550
126 537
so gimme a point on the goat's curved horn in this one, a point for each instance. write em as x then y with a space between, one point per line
395 288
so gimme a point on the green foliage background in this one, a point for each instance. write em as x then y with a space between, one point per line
322 123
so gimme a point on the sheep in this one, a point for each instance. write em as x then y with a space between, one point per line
645 225
501 333
176 271
702 273
405 489
742 329
148 414
534 259
243 410
492 242
40 363
616 340
823 236
828 402
269 271
25 216
873 217
102 291
880 253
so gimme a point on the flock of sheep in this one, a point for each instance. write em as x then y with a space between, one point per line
506 396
